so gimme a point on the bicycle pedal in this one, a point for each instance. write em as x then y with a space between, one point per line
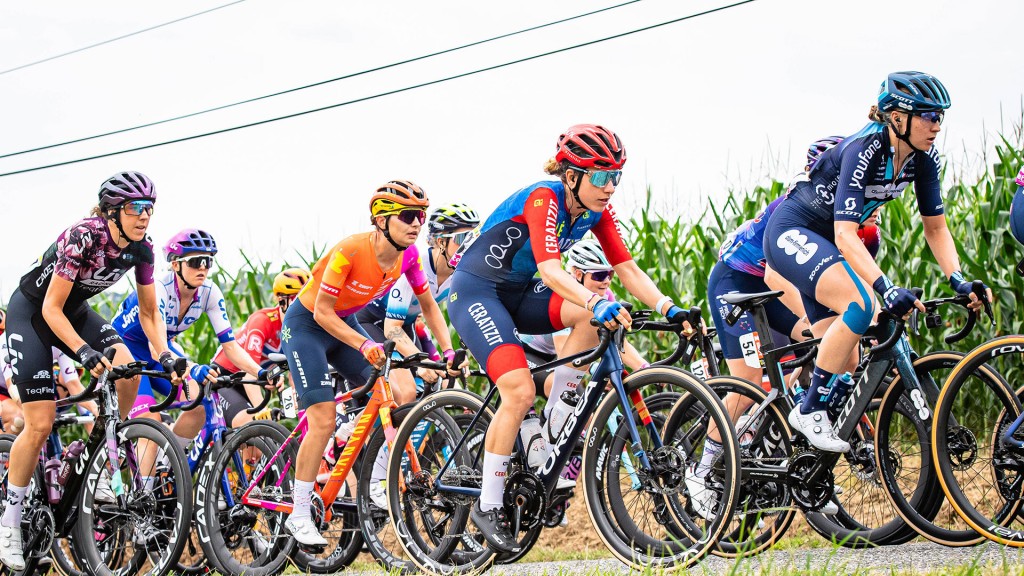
312 550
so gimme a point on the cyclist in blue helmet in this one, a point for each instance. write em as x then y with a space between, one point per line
811 239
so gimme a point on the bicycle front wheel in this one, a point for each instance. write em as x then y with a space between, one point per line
980 467
432 523
630 502
143 529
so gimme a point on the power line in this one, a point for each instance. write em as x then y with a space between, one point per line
84 48
321 83
381 94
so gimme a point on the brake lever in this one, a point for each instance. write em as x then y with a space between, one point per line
978 288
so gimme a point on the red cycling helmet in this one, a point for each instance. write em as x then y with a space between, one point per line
591 146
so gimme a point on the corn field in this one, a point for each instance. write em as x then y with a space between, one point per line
679 255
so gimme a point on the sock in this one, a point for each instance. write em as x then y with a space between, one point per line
15 500
380 465
492 492
821 381
711 451
565 378
148 482
302 495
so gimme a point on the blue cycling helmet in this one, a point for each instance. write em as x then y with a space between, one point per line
189 241
912 92
1017 210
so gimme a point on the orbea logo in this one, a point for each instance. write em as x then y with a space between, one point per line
793 242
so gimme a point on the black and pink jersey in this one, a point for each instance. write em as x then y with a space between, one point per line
86 255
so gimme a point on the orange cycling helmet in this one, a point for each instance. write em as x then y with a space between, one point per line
395 196
290 281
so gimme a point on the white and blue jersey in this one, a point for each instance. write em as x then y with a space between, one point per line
208 300
743 249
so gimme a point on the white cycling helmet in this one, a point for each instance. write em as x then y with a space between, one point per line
587 255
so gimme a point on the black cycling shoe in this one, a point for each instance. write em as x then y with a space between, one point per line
495 527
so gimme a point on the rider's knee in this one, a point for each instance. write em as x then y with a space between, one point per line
861 311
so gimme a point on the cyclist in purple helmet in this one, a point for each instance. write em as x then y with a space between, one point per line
50 308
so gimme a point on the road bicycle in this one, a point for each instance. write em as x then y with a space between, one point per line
431 490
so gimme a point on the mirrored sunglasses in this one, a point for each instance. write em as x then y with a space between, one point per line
197 262
410 216
458 237
137 207
600 178
933 117
602 275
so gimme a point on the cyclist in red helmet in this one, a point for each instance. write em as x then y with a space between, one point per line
494 295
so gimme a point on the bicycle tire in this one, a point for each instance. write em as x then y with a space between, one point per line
744 536
168 503
223 532
431 548
929 514
663 550
993 512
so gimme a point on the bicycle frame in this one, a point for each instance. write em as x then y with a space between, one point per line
609 367
380 405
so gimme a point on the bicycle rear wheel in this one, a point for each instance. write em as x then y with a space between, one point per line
629 504
144 530
980 469
765 509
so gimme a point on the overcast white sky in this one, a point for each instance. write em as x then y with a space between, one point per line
722 100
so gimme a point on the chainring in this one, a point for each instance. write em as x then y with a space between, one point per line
42 525
810 497
525 499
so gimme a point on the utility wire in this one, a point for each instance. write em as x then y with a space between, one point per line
84 48
321 83
381 94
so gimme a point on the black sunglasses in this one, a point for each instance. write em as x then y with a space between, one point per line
410 216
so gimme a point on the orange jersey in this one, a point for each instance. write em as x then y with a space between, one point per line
351 272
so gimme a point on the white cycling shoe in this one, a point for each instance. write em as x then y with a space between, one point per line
817 428
702 498
378 495
11 553
304 531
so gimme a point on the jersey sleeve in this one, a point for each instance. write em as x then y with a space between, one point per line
399 299
412 269
144 267
609 235
336 271
858 162
217 312
541 216
74 250
256 331
926 184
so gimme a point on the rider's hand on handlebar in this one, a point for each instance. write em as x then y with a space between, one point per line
93 361
174 365
373 352
453 371
611 314
967 287
274 378
202 373
429 376
900 302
